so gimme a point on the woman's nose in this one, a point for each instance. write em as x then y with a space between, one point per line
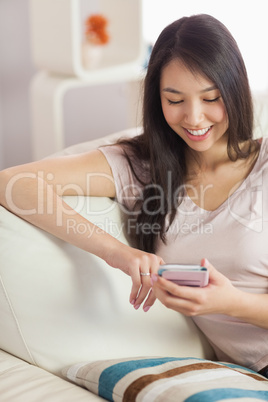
193 114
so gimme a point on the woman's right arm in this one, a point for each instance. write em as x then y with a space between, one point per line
34 192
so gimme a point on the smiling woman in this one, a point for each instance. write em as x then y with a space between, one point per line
192 106
190 185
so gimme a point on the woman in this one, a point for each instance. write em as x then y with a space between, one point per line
192 184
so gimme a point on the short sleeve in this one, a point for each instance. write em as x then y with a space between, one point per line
128 188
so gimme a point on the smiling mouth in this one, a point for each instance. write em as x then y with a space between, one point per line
198 132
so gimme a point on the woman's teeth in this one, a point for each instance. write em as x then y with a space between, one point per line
198 132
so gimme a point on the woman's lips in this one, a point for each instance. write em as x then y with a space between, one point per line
198 135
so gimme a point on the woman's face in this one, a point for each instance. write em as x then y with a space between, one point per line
192 106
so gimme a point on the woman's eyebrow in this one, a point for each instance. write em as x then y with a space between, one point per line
175 91
172 90
212 88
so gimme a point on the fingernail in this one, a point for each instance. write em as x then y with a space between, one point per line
132 301
145 309
154 278
204 262
137 306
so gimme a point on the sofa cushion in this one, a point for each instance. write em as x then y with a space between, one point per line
168 379
23 382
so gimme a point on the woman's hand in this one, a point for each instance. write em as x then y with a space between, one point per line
218 297
135 262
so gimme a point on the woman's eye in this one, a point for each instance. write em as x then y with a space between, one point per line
212 100
174 102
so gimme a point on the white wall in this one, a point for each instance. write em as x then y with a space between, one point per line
91 112
16 71
88 113
103 109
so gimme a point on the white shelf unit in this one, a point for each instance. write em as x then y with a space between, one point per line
57 34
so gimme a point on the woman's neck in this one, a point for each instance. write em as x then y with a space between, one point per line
217 161
209 160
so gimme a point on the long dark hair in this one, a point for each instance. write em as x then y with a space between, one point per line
205 46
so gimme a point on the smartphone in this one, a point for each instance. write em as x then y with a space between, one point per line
185 274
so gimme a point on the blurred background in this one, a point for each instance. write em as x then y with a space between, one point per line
92 111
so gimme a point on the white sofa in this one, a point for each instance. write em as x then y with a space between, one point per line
60 305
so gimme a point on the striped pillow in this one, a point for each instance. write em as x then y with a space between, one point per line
168 379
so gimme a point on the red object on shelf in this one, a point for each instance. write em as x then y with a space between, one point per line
96 29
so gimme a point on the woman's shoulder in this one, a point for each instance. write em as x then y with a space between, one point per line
127 161
128 153
133 148
128 171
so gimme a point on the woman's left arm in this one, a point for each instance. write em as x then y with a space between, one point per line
218 297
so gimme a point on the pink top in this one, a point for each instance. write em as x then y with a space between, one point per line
234 238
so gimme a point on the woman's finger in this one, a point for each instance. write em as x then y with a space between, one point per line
136 284
149 265
149 301
144 290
